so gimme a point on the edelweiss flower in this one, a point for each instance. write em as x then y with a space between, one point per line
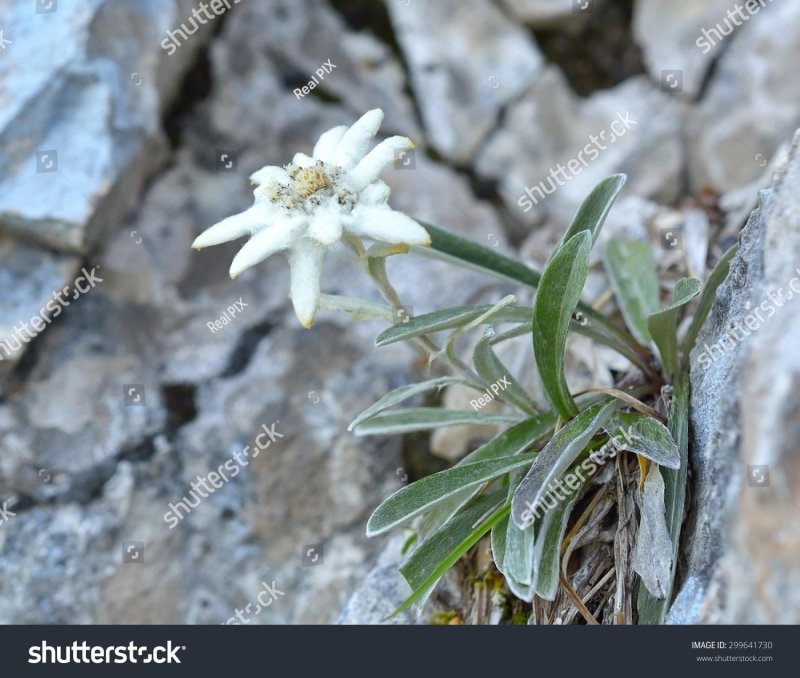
307 206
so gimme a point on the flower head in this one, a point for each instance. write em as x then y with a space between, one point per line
308 205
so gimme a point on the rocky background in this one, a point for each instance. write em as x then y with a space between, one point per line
116 151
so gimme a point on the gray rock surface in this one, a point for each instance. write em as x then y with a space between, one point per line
88 471
744 545
687 47
549 127
28 276
467 60
746 113
102 81
111 412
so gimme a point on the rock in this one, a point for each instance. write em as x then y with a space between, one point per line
746 113
103 70
743 543
382 591
549 129
91 459
305 40
466 62
686 47
28 278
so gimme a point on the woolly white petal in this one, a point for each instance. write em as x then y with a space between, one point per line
386 225
303 160
326 227
270 173
357 138
305 259
234 227
376 161
265 243
376 194
327 143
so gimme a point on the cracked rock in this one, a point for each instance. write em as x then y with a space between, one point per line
467 61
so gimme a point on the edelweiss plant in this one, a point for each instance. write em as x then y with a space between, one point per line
531 482
316 201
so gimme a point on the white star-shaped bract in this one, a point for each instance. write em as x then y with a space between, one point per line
308 205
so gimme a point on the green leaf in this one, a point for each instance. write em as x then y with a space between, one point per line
518 558
519 553
398 395
653 610
514 440
663 325
555 458
452 247
491 369
439 552
498 543
413 499
547 549
429 323
447 319
715 279
592 213
472 254
407 420
632 271
645 436
559 291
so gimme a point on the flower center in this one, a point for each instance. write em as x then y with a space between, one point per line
309 180
309 187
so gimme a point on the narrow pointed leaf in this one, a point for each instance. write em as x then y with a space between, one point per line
429 323
446 319
443 549
547 549
556 457
715 279
592 213
407 420
413 499
491 369
478 256
515 440
403 393
663 325
559 291
519 553
631 269
654 610
454 248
